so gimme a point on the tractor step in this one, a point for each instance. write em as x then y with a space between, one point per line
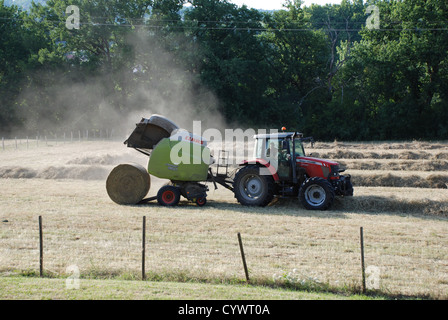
223 162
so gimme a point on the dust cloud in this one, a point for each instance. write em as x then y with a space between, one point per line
113 101
110 102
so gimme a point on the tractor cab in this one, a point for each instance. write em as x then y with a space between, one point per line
280 150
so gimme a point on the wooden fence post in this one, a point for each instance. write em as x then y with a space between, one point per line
143 248
362 261
243 257
41 249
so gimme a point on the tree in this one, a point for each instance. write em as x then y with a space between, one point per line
298 58
316 69
85 74
233 62
18 41
397 73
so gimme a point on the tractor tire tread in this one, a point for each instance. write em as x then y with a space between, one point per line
269 184
326 185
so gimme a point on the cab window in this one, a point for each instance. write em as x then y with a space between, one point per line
272 148
258 150
299 148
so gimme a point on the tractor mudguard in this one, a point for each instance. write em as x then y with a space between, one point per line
263 163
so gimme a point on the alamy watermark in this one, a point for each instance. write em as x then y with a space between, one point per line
373 277
234 141
72 282
73 20
373 20
296 278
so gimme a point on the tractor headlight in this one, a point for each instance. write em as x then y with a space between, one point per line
335 171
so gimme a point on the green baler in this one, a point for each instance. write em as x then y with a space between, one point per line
179 161
174 154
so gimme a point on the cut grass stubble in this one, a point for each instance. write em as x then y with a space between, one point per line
83 227
405 231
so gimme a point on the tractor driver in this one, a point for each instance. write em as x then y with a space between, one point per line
280 159
272 151
284 155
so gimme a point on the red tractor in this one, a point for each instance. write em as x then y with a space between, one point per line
281 168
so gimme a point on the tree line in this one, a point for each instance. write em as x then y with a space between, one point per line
319 69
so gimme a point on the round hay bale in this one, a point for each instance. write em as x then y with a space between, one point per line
128 184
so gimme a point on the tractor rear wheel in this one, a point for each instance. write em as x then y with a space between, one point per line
316 194
253 189
168 196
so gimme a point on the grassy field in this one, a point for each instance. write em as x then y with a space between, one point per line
107 289
192 250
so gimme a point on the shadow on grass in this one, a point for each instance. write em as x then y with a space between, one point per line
375 205
308 286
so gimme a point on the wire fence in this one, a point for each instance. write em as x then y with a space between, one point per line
17 142
322 259
372 283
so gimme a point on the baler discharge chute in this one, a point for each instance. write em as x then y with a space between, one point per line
149 132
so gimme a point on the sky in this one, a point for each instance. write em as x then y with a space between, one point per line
277 4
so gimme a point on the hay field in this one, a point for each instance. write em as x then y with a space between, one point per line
405 222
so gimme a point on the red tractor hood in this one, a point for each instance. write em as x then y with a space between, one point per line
317 161
310 160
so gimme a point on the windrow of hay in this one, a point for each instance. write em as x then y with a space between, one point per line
77 173
405 165
404 155
381 204
384 146
102 160
436 181
441 156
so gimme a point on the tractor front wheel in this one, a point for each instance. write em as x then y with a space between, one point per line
316 194
168 196
253 189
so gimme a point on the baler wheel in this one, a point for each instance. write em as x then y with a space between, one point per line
201 201
168 196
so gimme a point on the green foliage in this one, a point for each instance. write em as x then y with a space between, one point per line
232 61
316 69
397 73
